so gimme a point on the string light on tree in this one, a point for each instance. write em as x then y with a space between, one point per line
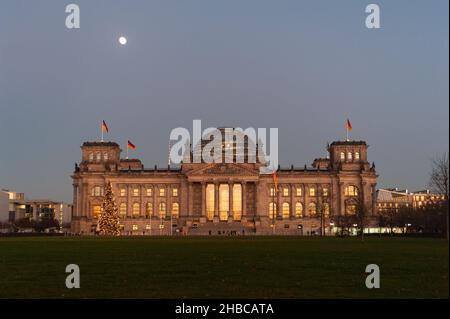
108 221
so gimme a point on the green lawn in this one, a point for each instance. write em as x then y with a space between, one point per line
228 267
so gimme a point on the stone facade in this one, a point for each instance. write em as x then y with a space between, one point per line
223 198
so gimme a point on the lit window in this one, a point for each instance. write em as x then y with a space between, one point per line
136 209
272 191
123 192
148 227
285 191
285 211
312 192
299 191
149 209
135 227
325 191
149 192
162 192
351 191
326 209
123 209
298 210
174 192
272 210
98 157
105 156
91 156
96 210
350 209
175 210
162 210
312 209
136 191
349 156
356 155
342 156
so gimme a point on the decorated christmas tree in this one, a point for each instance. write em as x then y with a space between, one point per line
108 221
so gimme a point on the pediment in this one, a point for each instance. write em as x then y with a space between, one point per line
223 169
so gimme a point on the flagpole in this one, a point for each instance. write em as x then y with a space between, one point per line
101 126
127 149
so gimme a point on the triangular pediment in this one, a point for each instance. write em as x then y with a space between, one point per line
223 169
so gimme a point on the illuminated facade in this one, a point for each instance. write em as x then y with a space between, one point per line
223 198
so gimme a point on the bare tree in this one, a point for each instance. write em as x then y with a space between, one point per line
439 181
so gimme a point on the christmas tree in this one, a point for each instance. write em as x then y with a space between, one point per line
108 221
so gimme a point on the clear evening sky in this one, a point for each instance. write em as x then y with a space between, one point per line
301 66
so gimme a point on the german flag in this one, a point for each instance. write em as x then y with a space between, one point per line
131 146
349 126
275 180
104 126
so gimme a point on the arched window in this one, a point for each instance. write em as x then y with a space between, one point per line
351 191
298 210
285 210
123 209
136 209
175 210
349 156
272 210
149 209
162 210
342 156
312 209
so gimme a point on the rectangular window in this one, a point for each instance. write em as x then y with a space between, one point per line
312 192
325 191
149 192
174 192
135 227
135 191
285 191
123 192
272 191
299 191
162 192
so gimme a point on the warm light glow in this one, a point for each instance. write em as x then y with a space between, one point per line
123 40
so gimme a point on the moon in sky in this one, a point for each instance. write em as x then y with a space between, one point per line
123 40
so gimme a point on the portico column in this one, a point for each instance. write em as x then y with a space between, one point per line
279 208
189 199
244 199
155 206
141 193
216 200
230 200
169 201
129 204
203 199
292 190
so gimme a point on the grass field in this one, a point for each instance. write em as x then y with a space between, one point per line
213 267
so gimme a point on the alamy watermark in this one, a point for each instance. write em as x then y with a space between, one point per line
237 146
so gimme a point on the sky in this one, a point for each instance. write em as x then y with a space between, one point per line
301 66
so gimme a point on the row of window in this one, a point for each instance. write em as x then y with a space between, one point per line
98 156
348 191
298 210
350 156
99 191
136 210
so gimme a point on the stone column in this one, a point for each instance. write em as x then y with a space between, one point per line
190 199
155 205
373 211
216 201
129 202
279 208
75 200
86 210
341 199
244 199
203 212
292 201
306 203
141 193
230 200
257 205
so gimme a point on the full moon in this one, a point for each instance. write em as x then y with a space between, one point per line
123 40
